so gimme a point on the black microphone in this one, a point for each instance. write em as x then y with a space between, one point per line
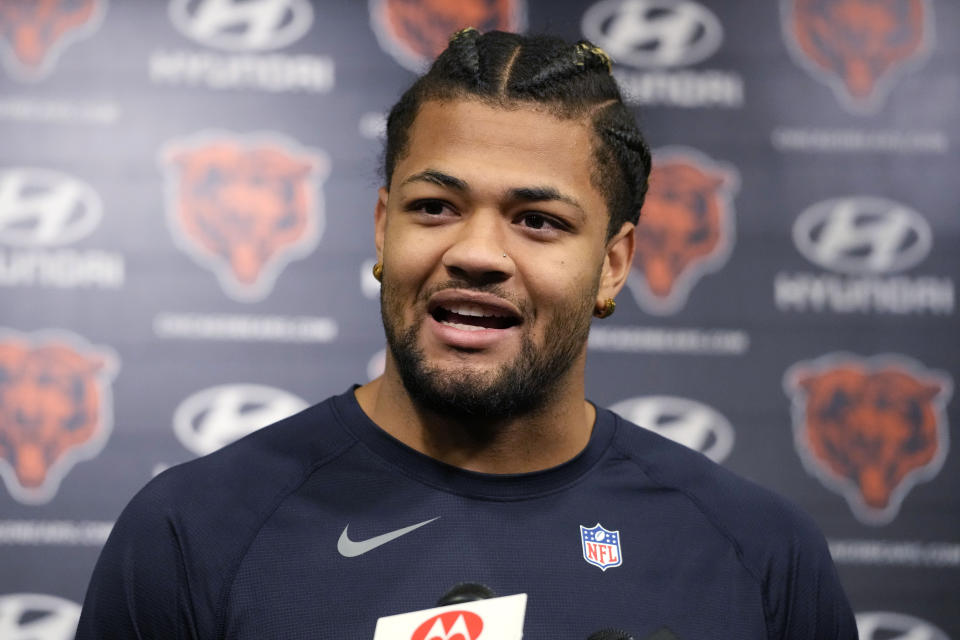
662 634
466 592
617 634
611 634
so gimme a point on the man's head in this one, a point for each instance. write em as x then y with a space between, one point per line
571 81
505 222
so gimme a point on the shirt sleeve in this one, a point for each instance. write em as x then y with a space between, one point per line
804 597
139 587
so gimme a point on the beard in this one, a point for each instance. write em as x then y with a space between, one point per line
519 387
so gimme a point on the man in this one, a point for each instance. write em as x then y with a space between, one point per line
514 177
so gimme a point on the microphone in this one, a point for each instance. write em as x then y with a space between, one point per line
662 633
466 592
463 612
611 634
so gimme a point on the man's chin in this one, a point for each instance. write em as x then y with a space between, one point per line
476 363
463 389
467 387
498 382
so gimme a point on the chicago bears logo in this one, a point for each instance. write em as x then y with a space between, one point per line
414 32
858 47
686 229
34 34
244 207
869 428
55 409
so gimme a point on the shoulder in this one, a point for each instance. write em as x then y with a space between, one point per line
775 541
218 502
257 468
741 509
178 543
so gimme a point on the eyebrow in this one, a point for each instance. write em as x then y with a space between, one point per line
523 194
438 178
542 194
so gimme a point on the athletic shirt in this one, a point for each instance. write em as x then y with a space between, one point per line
278 536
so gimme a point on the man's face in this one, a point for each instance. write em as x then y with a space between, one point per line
493 242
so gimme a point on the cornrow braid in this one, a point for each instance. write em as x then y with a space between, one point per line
571 81
593 52
633 155
548 76
463 46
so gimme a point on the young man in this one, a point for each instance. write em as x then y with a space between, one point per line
514 178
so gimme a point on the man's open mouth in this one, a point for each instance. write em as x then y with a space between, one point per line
473 317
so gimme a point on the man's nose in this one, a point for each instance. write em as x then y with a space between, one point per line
479 250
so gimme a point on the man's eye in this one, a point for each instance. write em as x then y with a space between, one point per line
539 221
430 207
534 221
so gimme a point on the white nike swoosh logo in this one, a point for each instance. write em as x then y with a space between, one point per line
351 549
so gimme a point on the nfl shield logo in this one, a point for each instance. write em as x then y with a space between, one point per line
601 547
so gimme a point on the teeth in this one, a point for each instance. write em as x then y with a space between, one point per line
466 309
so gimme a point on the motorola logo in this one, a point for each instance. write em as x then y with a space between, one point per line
688 422
862 235
215 417
884 625
41 207
653 33
450 625
242 25
34 616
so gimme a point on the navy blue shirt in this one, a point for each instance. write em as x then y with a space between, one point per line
249 542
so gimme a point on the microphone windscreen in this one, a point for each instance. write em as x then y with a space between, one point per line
610 634
465 592
663 634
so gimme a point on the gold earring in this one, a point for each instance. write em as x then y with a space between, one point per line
606 310
378 271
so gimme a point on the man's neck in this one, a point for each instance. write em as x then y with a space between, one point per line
531 442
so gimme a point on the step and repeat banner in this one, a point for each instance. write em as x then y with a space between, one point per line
186 214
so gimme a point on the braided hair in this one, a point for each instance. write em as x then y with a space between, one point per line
569 81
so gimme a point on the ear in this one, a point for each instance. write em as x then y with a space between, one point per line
380 221
616 262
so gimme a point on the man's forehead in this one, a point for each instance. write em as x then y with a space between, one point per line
525 125
526 146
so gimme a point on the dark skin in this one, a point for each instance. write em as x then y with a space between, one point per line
478 182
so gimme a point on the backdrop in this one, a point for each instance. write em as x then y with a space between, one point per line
186 214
